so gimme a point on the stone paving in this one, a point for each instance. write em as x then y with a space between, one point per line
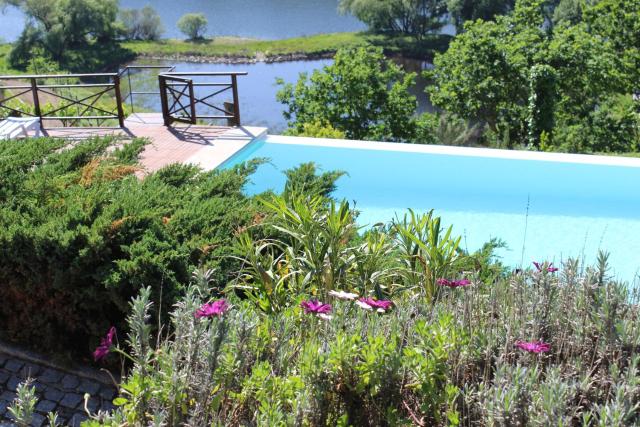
57 390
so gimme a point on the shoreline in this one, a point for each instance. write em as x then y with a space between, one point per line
233 59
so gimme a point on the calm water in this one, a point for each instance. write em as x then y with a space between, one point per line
543 210
257 90
266 19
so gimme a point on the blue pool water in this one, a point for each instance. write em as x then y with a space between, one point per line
542 209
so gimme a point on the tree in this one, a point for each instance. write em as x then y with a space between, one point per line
618 21
523 80
470 10
141 24
193 25
361 94
412 17
59 26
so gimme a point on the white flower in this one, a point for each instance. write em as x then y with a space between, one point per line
343 295
325 316
364 305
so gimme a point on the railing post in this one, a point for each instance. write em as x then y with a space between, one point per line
192 102
116 84
163 100
236 103
36 100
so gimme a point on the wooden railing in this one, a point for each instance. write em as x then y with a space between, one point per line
129 70
71 99
184 94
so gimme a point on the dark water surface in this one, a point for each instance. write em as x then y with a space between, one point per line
265 19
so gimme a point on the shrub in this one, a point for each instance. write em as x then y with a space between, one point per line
193 25
80 234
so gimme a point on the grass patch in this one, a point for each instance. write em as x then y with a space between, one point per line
250 48
312 46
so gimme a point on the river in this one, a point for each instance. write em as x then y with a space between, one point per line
257 90
263 19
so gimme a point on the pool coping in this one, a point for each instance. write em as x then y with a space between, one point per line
226 146
458 151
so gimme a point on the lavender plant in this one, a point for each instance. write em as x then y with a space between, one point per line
348 338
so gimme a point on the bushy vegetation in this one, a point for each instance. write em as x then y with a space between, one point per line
193 25
566 87
78 34
141 24
362 94
396 328
80 234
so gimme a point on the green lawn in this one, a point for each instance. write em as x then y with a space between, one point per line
250 48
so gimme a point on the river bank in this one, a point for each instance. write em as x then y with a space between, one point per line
237 50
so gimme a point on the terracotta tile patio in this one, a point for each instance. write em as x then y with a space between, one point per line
207 146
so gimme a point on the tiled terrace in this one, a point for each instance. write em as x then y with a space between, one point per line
207 146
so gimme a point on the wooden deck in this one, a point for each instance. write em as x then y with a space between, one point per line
207 146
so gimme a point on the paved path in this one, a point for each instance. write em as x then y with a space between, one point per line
58 390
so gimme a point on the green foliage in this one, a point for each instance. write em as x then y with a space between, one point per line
471 10
361 94
141 24
617 21
81 234
193 25
317 129
289 368
449 362
23 406
528 82
427 252
304 180
412 17
61 27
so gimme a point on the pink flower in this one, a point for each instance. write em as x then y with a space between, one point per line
315 307
540 267
380 306
533 347
105 345
210 309
453 283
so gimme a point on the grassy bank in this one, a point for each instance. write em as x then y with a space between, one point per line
320 45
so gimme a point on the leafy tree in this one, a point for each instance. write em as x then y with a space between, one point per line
193 25
470 10
141 24
60 26
413 17
361 94
618 21
568 11
521 79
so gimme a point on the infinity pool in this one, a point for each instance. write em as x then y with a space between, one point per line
544 206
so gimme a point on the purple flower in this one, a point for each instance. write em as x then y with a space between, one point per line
315 307
105 345
210 309
380 306
533 347
540 267
453 283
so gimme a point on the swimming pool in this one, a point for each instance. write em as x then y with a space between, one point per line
544 206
